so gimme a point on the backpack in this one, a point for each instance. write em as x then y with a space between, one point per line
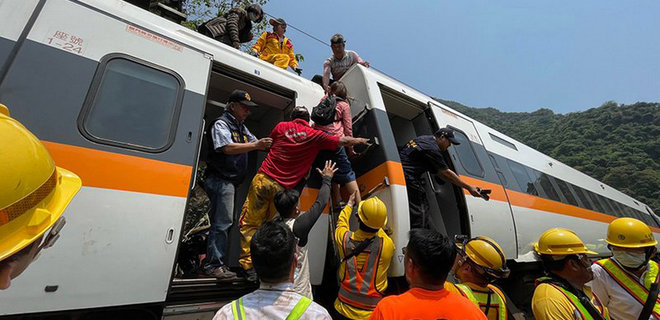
324 112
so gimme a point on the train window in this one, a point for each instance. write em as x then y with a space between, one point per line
132 104
565 190
584 198
594 201
525 182
498 170
605 204
502 141
618 207
467 156
547 186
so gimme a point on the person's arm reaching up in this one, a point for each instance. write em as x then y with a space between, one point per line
306 221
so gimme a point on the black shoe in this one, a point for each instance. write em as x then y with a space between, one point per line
222 273
250 275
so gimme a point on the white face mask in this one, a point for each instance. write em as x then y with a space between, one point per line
630 259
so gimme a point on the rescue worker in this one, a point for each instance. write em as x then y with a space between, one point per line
227 165
423 154
301 223
623 281
562 294
365 258
340 61
428 257
275 48
33 195
481 261
273 250
234 27
295 146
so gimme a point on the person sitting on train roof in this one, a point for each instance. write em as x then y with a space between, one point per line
340 61
423 154
365 258
562 294
341 126
624 280
34 193
295 146
231 142
273 250
275 48
479 263
301 223
428 257
234 27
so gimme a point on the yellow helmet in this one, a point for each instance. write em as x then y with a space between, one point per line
485 252
560 241
630 233
373 213
33 191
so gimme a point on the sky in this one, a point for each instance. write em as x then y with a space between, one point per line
516 56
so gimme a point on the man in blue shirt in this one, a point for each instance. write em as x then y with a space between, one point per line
227 165
423 154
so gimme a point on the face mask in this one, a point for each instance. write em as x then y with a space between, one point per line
630 259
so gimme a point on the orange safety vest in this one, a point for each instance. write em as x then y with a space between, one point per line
358 287
631 285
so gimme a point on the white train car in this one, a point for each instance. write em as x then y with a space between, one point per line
121 97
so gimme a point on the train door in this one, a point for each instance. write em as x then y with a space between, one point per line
120 104
470 161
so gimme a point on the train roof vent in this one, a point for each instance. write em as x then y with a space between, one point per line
502 141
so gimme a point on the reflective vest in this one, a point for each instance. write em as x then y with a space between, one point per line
575 301
358 289
238 311
631 285
481 299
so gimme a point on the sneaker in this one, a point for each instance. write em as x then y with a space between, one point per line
250 275
222 273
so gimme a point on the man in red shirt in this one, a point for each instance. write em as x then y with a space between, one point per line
295 146
428 258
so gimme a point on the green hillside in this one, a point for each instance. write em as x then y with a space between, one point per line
616 144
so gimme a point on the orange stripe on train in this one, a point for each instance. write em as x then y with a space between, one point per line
111 170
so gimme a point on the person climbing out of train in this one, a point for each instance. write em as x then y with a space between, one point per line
428 258
339 62
337 122
273 250
365 258
301 223
227 165
34 193
479 263
234 27
562 294
423 154
295 146
624 280
275 48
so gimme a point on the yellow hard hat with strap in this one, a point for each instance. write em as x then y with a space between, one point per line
560 241
373 213
33 191
630 233
484 252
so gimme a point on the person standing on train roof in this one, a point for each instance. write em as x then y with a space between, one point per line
423 154
234 27
275 48
365 258
295 146
340 61
301 223
428 257
479 263
624 280
341 126
227 163
34 193
562 294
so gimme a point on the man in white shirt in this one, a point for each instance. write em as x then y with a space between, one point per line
622 282
273 249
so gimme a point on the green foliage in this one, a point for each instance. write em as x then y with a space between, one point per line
616 144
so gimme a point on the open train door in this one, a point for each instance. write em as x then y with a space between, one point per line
470 161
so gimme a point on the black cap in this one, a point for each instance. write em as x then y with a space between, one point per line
278 21
447 133
242 97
